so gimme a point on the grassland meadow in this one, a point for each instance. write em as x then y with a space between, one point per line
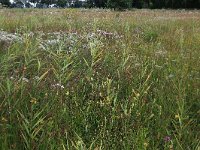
98 79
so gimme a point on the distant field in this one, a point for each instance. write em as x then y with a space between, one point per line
99 80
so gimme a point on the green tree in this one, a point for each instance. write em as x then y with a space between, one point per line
61 3
100 3
5 2
90 3
119 4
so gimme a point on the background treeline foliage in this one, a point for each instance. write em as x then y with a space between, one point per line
174 4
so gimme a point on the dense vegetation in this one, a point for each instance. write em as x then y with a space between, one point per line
119 3
97 79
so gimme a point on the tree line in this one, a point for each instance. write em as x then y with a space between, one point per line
159 4
118 4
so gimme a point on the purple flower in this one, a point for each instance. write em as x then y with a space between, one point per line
167 138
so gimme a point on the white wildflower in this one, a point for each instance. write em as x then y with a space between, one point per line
25 79
58 85
36 78
171 76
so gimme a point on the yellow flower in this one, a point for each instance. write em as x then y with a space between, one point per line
137 94
145 144
67 93
177 116
33 101
171 147
4 119
100 94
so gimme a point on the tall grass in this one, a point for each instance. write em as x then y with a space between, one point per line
113 80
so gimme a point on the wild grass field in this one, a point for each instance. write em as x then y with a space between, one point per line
99 79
